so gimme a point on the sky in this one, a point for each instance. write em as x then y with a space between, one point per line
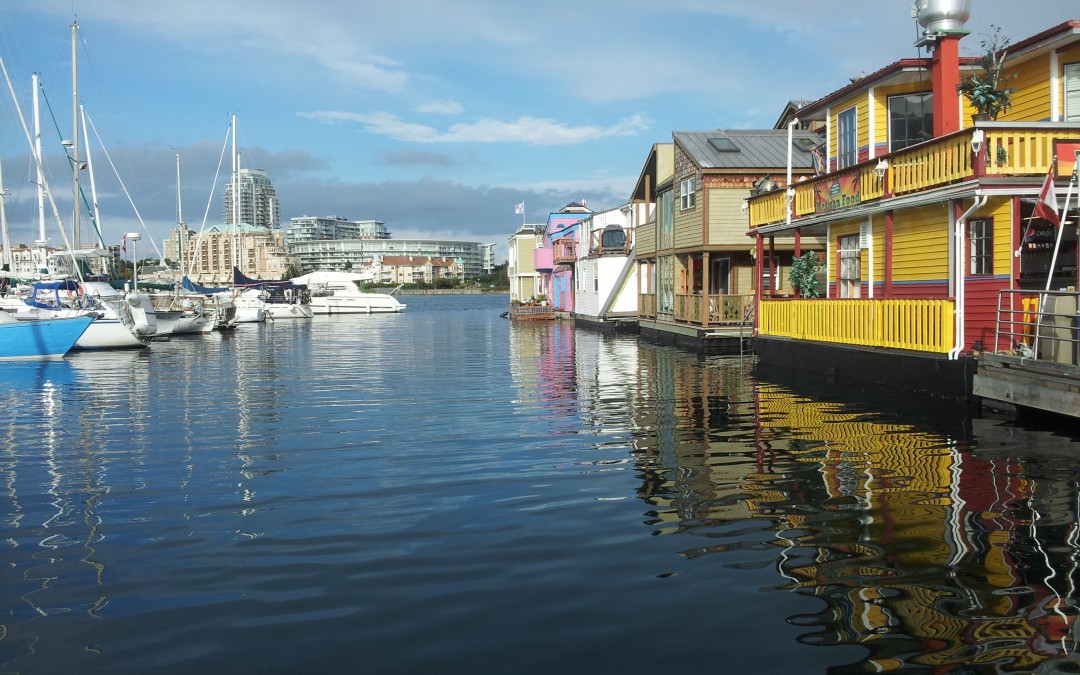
434 117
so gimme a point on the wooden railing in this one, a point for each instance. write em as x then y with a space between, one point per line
564 251
1013 149
714 309
647 305
917 325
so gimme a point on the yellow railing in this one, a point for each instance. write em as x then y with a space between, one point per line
1013 149
918 325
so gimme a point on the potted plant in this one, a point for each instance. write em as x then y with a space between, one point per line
987 91
804 275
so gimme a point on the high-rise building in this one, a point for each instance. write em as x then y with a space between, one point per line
258 202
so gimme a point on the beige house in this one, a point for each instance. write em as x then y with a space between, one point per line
209 258
411 269
521 263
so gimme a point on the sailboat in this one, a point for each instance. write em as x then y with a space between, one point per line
32 340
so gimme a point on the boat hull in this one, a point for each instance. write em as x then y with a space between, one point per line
110 334
37 339
355 306
277 311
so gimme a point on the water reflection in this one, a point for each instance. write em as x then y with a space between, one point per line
936 541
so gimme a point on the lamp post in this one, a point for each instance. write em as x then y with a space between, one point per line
134 237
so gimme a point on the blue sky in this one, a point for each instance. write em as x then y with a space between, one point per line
435 117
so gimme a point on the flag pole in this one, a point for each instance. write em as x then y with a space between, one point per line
1061 226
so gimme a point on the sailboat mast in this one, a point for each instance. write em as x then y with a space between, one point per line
5 242
235 198
41 242
76 236
181 231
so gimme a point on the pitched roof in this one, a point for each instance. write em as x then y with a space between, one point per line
747 149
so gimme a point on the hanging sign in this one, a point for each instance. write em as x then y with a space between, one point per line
836 194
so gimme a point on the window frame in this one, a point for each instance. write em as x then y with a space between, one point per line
927 118
848 281
981 247
1071 90
847 134
688 193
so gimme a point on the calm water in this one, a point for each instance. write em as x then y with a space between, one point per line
445 491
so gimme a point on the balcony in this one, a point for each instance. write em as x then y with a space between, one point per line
614 241
1009 149
564 251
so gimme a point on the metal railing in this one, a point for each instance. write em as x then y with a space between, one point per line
1038 325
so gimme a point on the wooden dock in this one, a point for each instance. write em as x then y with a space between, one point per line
1029 383
532 312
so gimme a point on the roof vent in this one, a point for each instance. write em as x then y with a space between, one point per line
942 16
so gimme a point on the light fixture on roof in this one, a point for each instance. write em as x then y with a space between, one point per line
881 168
977 139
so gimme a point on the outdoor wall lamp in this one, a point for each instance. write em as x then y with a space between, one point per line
745 205
881 168
977 139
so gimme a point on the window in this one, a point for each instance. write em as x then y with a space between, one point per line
846 152
665 216
981 246
768 265
850 274
665 297
687 193
911 120
1072 92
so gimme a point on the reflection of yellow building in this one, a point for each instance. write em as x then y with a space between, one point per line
922 548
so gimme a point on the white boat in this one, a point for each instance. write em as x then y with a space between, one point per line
281 299
334 292
250 306
114 327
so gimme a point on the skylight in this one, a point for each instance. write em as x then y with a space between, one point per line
804 144
723 144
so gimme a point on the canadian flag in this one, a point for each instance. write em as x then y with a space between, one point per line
1046 208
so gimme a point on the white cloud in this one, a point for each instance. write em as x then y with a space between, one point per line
444 107
528 130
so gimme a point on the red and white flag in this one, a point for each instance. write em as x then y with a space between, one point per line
519 209
123 243
1046 208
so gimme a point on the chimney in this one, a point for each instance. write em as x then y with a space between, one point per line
943 28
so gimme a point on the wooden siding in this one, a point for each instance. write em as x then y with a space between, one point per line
1000 209
727 222
1031 100
921 244
980 310
645 240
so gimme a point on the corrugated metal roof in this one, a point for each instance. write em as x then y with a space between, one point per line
758 149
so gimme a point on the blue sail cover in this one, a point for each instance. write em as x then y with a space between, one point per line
46 295
190 285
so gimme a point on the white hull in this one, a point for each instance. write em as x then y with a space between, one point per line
375 303
275 311
333 292
109 334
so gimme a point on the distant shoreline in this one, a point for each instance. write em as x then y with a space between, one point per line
443 291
